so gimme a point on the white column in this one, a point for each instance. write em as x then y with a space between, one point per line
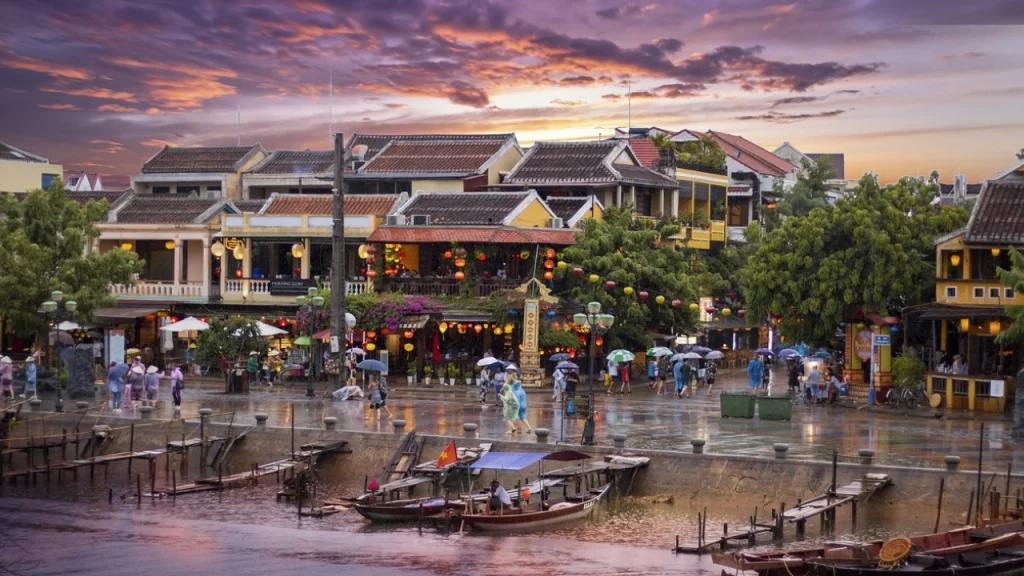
177 264
618 196
675 202
632 197
206 267
304 263
661 202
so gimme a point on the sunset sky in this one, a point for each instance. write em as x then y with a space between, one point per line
900 86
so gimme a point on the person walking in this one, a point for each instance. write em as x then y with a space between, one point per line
815 388
627 378
510 407
766 372
252 367
794 377
115 383
660 369
712 369
559 378
153 376
613 372
30 377
521 420
7 377
136 384
177 384
755 372
485 383
498 382
683 378
377 396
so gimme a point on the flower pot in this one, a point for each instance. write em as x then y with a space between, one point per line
451 381
411 378
426 381
469 381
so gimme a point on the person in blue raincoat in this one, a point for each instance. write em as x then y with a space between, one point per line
755 371
683 374
517 389
115 382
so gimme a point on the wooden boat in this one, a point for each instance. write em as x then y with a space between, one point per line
540 515
406 510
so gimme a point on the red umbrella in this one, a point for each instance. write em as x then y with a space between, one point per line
436 353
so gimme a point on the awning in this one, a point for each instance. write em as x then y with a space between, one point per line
413 322
472 235
950 312
507 460
116 313
465 316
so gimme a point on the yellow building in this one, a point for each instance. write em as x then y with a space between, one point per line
21 171
210 172
967 367
702 205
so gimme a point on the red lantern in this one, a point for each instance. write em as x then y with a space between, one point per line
459 262
371 334
282 322
478 328
385 331
448 254
460 275
408 334
370 260
550 253
238 272
577 271
548 275
549 264
741 312
371 273
371 250
482 257
609 284
599 341
710 309
643 295
216 271
676 303
150 317
172 319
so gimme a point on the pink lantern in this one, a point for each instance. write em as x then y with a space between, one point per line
643 295
676 303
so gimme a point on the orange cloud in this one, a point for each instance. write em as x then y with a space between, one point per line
100 93
68 107
187 93
117 108
709 17
157 143
49 68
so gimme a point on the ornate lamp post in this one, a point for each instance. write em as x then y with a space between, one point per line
56 315
310 302
594 323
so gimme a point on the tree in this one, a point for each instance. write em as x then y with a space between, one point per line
1013 277
43 244
663 141
229 339
873 249
704 152
810 190
633 253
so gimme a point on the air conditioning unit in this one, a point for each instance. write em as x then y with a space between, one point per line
395 220
357 164
558 223
421 220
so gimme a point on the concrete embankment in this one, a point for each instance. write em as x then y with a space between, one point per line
726 485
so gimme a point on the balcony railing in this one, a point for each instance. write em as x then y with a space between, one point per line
979 292
258 289
717 231
965 392
148 289
447 286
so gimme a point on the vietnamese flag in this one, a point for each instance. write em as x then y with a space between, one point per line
448 456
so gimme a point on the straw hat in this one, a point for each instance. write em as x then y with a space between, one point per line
30 359
6 360
253 353
137 370
151 370
274 353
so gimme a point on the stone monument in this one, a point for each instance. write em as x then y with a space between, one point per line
78 364
531 373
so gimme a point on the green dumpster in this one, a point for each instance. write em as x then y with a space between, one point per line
775 408
737 405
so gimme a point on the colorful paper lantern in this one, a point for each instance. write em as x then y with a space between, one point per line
550 253
371 334
693 306
609 284
408 334
562 265
741 313
710 309
643 295
169 244
442 327
497 331
676 303
460 275
478 328
549 264
371 250
370 346
460 262
551 314
594 278
385 331
481 257
448 254
659 299
238 272
726 312
371 273
524 254
628 290
126 246
548 275
577 271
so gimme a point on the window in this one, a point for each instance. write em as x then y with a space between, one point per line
979 292
738 215
72 182
48 179
1008 293
950 291
960 387
993 293
983 388
188 190
161 189
939 386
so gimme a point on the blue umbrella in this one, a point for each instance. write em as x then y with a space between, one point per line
567 366
821 354
789 353
560 357
372 365
700 349
764 352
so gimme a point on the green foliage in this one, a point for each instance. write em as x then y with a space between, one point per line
232 338
810 190
43 244
634 253
550 338
704 152
1014 278
907 370
873 249
663 141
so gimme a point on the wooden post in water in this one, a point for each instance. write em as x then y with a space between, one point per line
174 484
293 430
131 448
138 489
1009 470
419 520
110 496
202 444
63 445
970 509
725 533
152 478
981 448
938 514
700 537
220 476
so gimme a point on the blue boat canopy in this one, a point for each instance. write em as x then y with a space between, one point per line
507 460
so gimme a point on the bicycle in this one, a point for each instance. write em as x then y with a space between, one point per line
287 377
910 397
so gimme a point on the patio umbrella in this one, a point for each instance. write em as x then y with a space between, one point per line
566 366
189 324
67 325
789 353
485 361
676 358
302 341
372 365
714 355
764 352
268 330
659 351
356 352
621 356
701 349
560 357
691 356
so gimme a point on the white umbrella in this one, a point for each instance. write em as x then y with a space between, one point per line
190 324
66 326
714 355
691 356
485 361
620 356
659 351
268 330
356 352
350 320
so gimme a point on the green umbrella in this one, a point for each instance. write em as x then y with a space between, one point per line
302 341
621 356
659 351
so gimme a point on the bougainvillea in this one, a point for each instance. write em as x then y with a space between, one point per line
389 311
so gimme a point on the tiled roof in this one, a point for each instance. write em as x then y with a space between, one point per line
462 157
163 209
973 189
465 208
838 163
570 163
296 162
752 155
111 196
472 235
198 159
565 207
646 152
998 216
376 142
946 188
8 152
322 204
249 206
115 182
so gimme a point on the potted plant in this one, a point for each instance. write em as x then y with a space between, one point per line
468 375
411 376
453 373
428 371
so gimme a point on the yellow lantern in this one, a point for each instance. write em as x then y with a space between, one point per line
497 331
408 347
628 290
659 299
562 265
693 307
965 324
594 278
442 327
995 252
298 250
169 244
238 252
994 327
370 346
509 327
362 251
954 260
726 312
217 249
126 246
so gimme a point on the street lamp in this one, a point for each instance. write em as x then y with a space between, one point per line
56 315
593 322
310 302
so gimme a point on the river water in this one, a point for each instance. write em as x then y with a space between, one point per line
73 529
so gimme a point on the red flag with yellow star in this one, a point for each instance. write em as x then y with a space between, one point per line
448 456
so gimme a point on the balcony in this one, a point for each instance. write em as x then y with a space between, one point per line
154 290
717 231
266 291
965 392
449 287
976 292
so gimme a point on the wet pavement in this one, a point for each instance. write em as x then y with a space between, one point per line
656 422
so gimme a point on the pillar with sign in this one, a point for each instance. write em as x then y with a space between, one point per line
881 360
532 375
858 350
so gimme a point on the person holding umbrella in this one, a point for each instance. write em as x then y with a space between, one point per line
485 378
712 369
559 378
510 404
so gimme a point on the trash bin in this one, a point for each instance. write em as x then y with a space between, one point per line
737 405
236 382
775 408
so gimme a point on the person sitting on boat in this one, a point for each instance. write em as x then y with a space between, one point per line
499 497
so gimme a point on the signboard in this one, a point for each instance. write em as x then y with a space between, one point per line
530 358
862 344
115 346
335 347
705 302
291 286
996 389
385 358
882 339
